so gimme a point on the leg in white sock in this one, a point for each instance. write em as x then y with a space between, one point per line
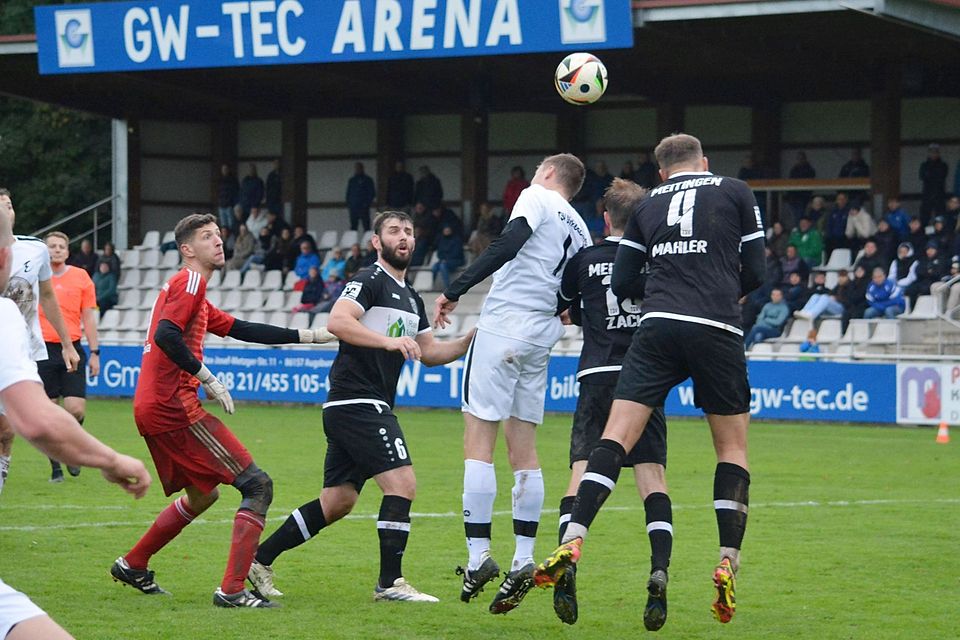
527 506
479 492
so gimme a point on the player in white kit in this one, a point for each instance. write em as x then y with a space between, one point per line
505 375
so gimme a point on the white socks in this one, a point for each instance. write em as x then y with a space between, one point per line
527 506
4 468
479 492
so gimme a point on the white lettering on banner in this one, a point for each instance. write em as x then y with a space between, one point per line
386 26
289 47
565 387
505 23
259 29
846 399
171 34
261 26
137 43
454 368
409 380
350 29
421 22
236 10
116 375
466 22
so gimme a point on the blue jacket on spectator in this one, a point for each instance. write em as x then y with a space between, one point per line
886 295
304 262
773 314
360 192
837 223
899 221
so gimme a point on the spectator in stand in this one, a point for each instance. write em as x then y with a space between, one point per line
817 211
835 229
748 169
942 235
105 283
515 186
489 226
256 221
856 166
778 239
931 268
647 173
903 269
369 254
265 243
228 196
400 188
299 235
307 258
228 241
754 301
808 242
449 253
897 218
933 176
251 192
280 245
604 177
273 192
428 189
792 262
332 289
860 227
361 194
856 303
939 289
884 297
822 300
797 292
438 219
335 265
243 248
354 261
276 223
797 200
110 256
871 257
770 321
952 213
627 171
86 258
810 345
886 240
802 169
917 236
312 293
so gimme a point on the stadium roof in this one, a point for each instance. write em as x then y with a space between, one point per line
685 51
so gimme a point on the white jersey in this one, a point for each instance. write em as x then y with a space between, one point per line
31 264
522 303
18 365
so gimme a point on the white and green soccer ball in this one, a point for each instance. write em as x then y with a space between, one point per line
581 78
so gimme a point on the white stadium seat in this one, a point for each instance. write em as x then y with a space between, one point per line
130 258
272 280
926 309
292 300
252 301
214 280
886 332
279 318
151 239
858 331
831 280
298 321
110 320
347 239
150 279
830 331
274 301
149 297
320 320
326 241
760 349
251 280
423 280
131 321
232 300
168 236
291 279
366 238
150 259
170 260
130 279
231 280
129 299
215 297
798 331
839 259
256 316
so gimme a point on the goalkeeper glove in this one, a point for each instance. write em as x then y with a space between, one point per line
215 389
316 336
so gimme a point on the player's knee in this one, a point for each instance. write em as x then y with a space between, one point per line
256 488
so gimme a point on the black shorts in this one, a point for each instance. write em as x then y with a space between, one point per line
590 418
666 352
57 382
362 440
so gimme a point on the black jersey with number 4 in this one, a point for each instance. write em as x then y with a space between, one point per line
608 321
690 232
391 308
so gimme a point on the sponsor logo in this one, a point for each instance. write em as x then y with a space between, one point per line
920 393
352 290
397 329
582 21
74 38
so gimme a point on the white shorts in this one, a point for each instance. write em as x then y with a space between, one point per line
15 608
504 377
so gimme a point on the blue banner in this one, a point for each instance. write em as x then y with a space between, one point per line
184 34
829 392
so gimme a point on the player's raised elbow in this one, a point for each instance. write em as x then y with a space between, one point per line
625 285
32 415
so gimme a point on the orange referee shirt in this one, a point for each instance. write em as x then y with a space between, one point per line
75 293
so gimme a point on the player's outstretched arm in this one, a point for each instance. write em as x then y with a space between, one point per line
169 337
57 434
435 352
345 324
51 309
271 334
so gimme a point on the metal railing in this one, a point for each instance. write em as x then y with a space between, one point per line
93 231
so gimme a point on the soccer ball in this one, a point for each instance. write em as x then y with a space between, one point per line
581 78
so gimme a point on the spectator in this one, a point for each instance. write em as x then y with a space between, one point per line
604 177
256 221
627 171
265 243
802 169
856 303
228 241
942 235
354 261
871 257
228 196
856 166
797 292
835 232
792 262
860 227
797 200
361 194
808 242
903 269
278 252
86 258
369 254
933 176
273 192
312 292
400 188
299 235
449 253
952 213
332 289
748 169
647 174
110 256
276 223
334 265
755 300
428 189
489 226
778 239
939 289
243 248
251 193
917 236
422 231
931 268
817 211
307 258
822 300
770 322
105 283
884 297
886 240
810 345
897 218
515 185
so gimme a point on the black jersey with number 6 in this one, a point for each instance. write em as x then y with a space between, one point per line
608 320
702 238
391 308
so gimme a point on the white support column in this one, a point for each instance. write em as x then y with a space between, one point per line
120 170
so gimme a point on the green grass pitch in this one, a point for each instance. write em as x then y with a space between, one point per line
853 533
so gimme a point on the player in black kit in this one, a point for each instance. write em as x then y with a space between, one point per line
609 322
381 322
701 237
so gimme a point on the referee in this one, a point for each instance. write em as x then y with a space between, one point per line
701 237
77 299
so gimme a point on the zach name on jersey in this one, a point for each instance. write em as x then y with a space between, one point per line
679 246
631 320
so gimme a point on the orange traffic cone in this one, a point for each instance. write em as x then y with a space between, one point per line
943 433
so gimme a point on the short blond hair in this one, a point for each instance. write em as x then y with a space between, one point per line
570 171
57 234
677 149
621 199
